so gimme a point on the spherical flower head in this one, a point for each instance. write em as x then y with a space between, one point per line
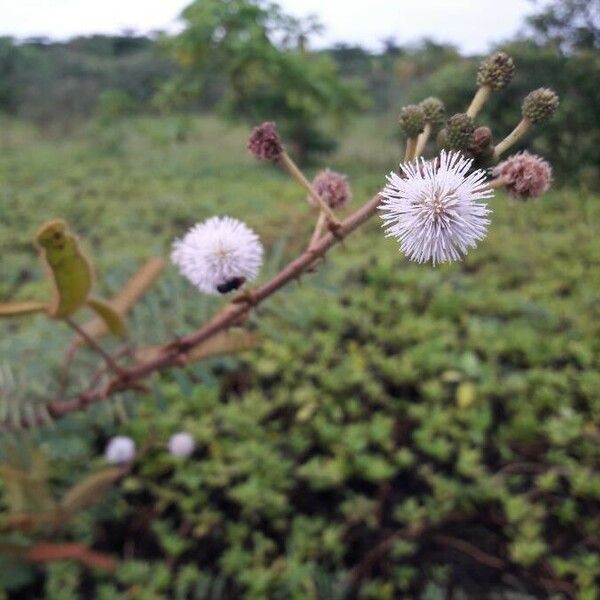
496 71
412 120
264 142
437 210
459 129
434 111
526 175
540 105
481 141
333 187
181 444
218 255
120 450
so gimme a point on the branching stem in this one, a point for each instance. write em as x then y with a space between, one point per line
169 355
95 346
298 175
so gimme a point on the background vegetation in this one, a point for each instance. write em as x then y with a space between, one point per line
399 431
248 60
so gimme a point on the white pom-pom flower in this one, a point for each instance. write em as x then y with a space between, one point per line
120 450
437 210
181 444
218 255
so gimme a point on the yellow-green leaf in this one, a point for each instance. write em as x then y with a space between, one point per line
26 307
127 297
109 315
90 490
466 394
68 268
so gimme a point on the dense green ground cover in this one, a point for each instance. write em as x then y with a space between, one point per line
400 428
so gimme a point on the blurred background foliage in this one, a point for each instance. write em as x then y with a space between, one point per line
383 396
400 431
250 61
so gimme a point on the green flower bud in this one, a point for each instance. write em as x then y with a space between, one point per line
540 105
496 71
459 130
434 111
412 120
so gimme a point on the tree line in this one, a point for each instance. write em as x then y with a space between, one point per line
249 60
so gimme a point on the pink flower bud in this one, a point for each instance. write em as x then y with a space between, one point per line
526 175
333 188
264 142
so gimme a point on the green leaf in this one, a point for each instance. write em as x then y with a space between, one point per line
90 490
109 315
68 268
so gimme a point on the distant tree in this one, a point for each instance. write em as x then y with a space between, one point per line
569 24
262 54
51 82
9 59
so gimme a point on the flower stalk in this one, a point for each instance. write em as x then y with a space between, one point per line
496 184
479 99
318 230
513 137
411 149
299 176
422 140
172 354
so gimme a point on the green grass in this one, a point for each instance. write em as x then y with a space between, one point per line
383 394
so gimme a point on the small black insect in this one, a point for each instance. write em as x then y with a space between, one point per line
232 284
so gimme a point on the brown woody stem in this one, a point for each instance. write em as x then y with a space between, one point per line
170 354
95 346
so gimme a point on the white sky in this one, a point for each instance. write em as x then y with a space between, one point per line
473 25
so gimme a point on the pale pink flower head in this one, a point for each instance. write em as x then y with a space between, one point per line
181 444
437 209
526 175
333 188
120 450
264 142
218 255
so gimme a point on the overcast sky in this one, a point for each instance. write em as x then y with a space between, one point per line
473 25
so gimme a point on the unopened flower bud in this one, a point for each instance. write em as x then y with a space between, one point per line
264 142
459 130
333 188
481 141
525 175
434 111
412 120
540 105
496 71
